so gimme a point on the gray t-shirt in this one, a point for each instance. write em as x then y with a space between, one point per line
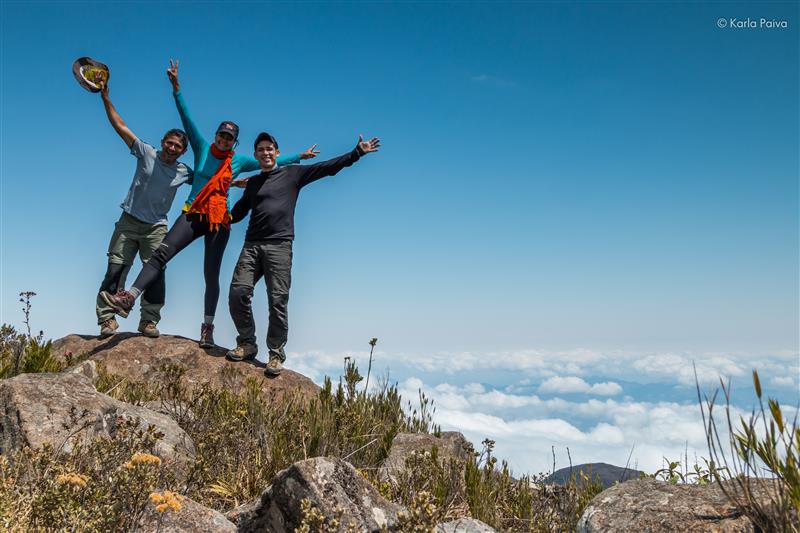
154 185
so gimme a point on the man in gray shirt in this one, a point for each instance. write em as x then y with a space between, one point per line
143 223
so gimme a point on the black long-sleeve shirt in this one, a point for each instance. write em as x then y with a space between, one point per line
272 196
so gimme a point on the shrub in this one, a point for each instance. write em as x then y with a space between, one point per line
101 486
21 354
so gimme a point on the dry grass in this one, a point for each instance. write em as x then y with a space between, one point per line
243 440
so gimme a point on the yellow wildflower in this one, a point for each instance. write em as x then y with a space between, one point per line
166 500
76 480
145 458
142 459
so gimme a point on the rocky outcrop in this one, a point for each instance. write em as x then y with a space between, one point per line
139 359
190 518
64 409
333 486
655 506
451 444
464 525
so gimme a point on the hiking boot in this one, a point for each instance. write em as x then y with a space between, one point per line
148 329
242 352
274 366
122 302
206 335
108 328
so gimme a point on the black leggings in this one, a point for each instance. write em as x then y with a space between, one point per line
186 229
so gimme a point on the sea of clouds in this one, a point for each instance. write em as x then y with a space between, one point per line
639 409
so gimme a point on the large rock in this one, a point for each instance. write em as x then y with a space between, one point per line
191 518
332 486
464 525
140 358
656 506
64 409
451 445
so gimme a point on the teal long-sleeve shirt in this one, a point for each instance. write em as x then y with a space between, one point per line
205 164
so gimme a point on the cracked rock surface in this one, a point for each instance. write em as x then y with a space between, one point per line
64 409
333 486
656 506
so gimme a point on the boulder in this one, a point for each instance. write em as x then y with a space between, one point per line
464 525
139 359
334 487
656 506
190 518
451 445
64 409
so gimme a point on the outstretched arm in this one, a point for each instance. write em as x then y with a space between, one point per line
311 153
330 167
195 138
250 164
113 117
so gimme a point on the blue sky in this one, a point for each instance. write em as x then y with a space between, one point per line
601 192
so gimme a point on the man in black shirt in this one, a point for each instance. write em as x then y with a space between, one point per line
267 251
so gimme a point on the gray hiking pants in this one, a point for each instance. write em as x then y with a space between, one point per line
132 236
272 260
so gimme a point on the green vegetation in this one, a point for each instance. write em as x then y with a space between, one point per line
101 486
243 439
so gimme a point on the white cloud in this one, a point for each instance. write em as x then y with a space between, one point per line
501 399
576 365
607 434
573 384
609 388
474 388
558 384
782 381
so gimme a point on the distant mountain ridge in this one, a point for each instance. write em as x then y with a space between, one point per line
608 474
